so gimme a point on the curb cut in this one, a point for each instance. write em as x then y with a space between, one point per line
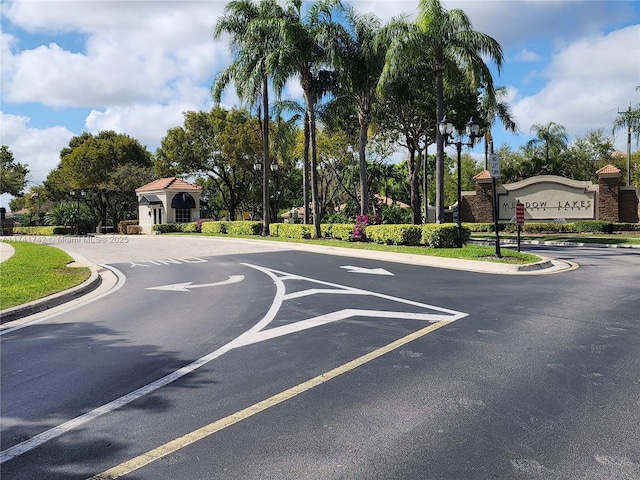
51 301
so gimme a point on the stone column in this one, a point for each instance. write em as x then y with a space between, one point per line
608 193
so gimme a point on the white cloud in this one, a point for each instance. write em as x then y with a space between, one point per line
129 55
526 55
587 82
39 149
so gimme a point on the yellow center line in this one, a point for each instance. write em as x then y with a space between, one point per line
203 432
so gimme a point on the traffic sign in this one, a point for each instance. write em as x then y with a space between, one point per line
494 165
520 213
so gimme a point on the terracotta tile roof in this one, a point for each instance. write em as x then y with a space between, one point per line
482 175
169 183
608 169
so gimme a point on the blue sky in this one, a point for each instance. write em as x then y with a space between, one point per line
134 66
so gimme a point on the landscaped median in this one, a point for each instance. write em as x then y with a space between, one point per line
35 271
437 240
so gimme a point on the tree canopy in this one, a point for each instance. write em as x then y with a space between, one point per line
13 175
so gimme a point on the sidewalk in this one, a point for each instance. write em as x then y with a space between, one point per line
6 251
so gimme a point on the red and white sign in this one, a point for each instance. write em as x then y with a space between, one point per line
520 213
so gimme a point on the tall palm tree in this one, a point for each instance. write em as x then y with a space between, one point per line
550 136
360 62
490 109
630 120
254 42
305 46
445 39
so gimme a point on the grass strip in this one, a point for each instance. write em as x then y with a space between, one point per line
36 271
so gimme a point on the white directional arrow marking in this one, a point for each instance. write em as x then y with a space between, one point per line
184 287
370 271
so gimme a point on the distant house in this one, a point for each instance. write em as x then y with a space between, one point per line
167 200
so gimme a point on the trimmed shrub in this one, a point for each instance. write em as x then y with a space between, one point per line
200 221
291 230
42 230
339 231
190 227
134 229
443 235
404 234
122 226
593 226
168 227
626 227
214 227
243 227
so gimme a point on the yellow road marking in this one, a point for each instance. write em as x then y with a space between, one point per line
203 432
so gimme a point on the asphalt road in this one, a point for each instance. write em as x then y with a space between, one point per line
278 364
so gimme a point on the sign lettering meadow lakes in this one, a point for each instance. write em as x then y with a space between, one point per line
549 197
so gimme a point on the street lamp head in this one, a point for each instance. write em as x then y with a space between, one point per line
73 193
257 166
83 193
446 127
473 129
274 166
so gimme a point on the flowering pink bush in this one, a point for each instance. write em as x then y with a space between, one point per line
362 221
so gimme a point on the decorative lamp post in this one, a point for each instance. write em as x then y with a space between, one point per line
473 132
77 195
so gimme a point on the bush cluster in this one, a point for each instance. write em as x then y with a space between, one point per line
291 230
42 230
579 226
403 234
168 227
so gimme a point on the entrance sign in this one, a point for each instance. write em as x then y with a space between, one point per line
494 165
548 197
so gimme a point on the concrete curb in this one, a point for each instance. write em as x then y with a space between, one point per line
54 300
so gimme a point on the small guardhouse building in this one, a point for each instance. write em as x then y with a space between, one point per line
167 200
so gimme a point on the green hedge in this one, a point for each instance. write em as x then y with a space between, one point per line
339 231
190 227
122 226
42 230
243 227
168 227
444 235
290 230
593 226
214 227
394 234
626 227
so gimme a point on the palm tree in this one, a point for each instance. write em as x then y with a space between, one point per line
445 40
360 62
550 136
254 29
631 121
305 47
491 108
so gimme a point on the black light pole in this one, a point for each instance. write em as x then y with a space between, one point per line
473 131
77 196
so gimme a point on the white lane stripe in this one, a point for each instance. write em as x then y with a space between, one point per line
121 279
250 335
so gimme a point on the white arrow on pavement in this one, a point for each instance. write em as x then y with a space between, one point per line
184 287
370 271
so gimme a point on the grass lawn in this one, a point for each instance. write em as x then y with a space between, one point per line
35 271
